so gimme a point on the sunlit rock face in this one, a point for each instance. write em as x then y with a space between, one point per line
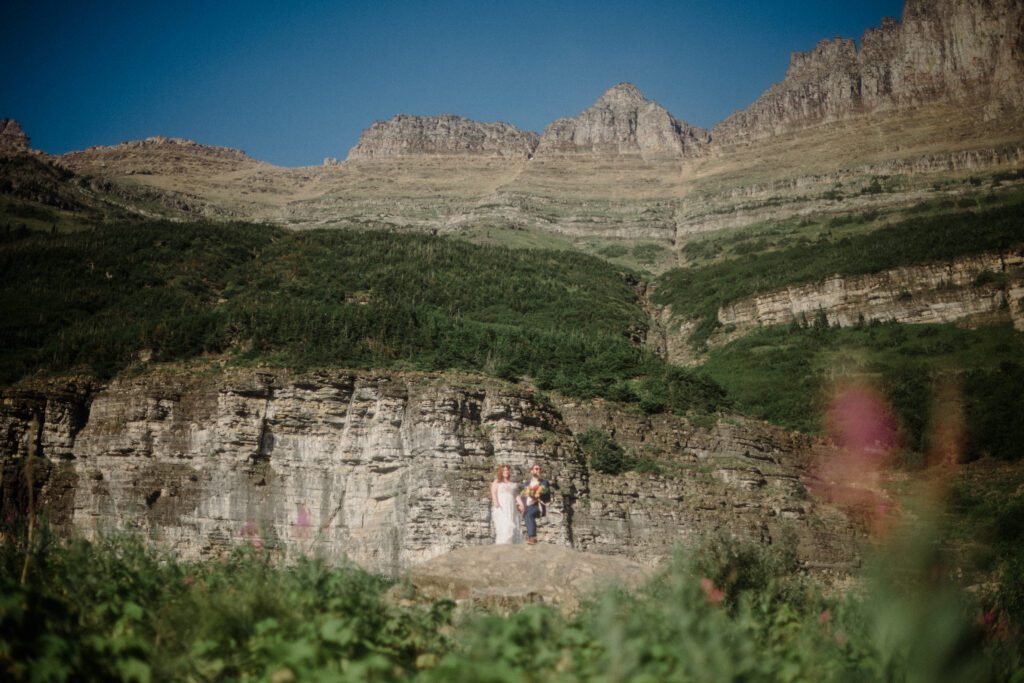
936 293
942 50
388 470
406 135
13 140
623 121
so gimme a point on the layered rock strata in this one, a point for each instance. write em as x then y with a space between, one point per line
981 287
914 294
942 50
406 135
624 122
13 140
386 470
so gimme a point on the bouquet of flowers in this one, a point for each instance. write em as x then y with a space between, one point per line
538 492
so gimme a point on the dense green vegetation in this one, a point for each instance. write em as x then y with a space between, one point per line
698 293
782 374
116 610
96 300
987 526
113 610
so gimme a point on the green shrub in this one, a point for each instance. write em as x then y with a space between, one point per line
729 610
605 456
782 374
613 251
116 610
648 252
987 277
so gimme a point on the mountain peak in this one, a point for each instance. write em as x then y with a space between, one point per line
624 122
12 138
622 92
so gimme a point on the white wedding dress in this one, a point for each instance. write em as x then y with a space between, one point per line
506 518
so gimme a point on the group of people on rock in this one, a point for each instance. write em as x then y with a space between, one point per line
515 502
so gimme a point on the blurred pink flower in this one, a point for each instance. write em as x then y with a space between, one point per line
252 533
825 616
713 594
865 433
302 520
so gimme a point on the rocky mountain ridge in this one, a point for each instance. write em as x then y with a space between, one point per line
445 135
941 50
154 155
923 104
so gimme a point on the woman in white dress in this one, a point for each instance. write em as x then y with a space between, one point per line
503 508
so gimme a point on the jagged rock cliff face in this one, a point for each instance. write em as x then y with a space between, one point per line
386 470
13 140
941 50
406 135
623 121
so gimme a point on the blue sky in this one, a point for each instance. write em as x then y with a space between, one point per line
294 82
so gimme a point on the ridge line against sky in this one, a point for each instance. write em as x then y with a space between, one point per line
292 83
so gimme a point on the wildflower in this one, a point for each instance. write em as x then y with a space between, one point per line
252 534
825 617
714 595
863 428
303 521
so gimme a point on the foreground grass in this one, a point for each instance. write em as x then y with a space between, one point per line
114 610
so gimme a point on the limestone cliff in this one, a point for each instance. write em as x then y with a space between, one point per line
623 121
406 135
942 50
13 140
915 294
388 470
928 293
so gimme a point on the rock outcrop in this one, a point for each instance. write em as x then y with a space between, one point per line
387 470
406 135
623 121
13 140
914 294
506 577
981 287
942 50
157 155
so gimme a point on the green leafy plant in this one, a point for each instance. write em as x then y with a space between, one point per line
604 454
